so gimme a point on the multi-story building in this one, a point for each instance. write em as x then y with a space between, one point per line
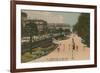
59 25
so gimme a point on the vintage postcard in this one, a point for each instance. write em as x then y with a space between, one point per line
54 36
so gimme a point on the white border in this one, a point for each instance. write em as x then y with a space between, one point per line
20 65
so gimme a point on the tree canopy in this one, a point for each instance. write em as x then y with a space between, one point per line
82 28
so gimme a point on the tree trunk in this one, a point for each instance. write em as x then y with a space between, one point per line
30 44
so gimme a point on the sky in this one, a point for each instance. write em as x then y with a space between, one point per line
70 18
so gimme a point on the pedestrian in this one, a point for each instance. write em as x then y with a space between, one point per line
69 46
73 44
77 47
58 48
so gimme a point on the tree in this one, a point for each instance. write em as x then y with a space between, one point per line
61 31
30 30
82 27
23 20
67 31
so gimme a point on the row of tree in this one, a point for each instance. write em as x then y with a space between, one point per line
82 28
31 29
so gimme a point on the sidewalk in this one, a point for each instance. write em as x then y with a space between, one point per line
65 51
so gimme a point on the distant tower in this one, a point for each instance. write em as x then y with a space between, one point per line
71 28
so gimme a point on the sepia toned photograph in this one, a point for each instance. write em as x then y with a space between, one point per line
54 36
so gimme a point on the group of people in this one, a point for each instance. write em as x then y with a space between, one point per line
72 45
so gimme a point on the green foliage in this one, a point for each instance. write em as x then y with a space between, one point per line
23 14
30 30
26 57
37 53
83 28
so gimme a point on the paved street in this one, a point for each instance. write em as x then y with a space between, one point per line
69 49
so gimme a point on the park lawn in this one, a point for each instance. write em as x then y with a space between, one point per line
37 53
